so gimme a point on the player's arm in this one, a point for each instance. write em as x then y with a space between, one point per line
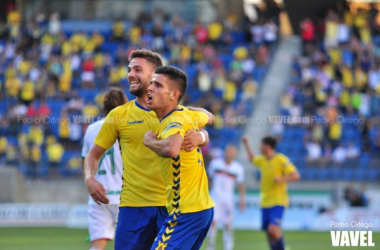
105 139
241 188
168 147
195 139
247 148
211 117
95 188
295 176
290 172
242 193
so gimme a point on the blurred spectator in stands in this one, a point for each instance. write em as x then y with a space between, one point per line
75 165
277 130
88 74
307 32
270 33
327 154
64 129
90 110
14 23
334 133
35 160
55 153
364 197
54 24
314 151
352 151
229 94
215 30
11 157
36 134
339 155
249 89
75 135
118 30
354 197
331 35
204 81
257 32
3 146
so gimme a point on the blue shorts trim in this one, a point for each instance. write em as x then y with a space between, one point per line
271 215
137 227
184 231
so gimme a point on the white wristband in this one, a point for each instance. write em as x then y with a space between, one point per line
203 137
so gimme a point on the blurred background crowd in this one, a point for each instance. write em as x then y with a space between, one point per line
336 82
52 79
53 74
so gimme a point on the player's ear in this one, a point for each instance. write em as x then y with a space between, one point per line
174 95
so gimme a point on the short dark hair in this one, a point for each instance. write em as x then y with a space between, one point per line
148 55
113 98
270 141
176 75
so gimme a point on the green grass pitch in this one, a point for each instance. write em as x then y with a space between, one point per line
53 238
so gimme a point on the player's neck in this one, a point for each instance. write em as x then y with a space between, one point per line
228 161
161 114
142 101
269 155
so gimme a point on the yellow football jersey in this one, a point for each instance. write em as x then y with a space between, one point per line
273 194
185 175
143 184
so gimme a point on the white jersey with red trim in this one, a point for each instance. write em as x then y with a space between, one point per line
224 178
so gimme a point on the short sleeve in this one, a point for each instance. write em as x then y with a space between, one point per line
200 118
108 134
172 128
257 161
240 174
211 168
288 166
86 145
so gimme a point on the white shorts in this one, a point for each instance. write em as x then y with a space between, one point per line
102 221
223 212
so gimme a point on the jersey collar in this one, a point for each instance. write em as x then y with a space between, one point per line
177 109
141 107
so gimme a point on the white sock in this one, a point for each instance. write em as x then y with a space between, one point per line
228 239
94 248
212 237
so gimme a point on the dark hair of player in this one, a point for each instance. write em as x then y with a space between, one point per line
148 55
176 75
114 98
270 141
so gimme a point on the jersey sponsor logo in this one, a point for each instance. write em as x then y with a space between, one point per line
136 122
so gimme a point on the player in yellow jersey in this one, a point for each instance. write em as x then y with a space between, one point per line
143 200
188 201
276 171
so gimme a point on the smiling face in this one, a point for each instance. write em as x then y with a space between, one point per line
140 72
161 95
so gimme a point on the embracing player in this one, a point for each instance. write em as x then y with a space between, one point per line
225 173
189 204
276 171
102 217
142 203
